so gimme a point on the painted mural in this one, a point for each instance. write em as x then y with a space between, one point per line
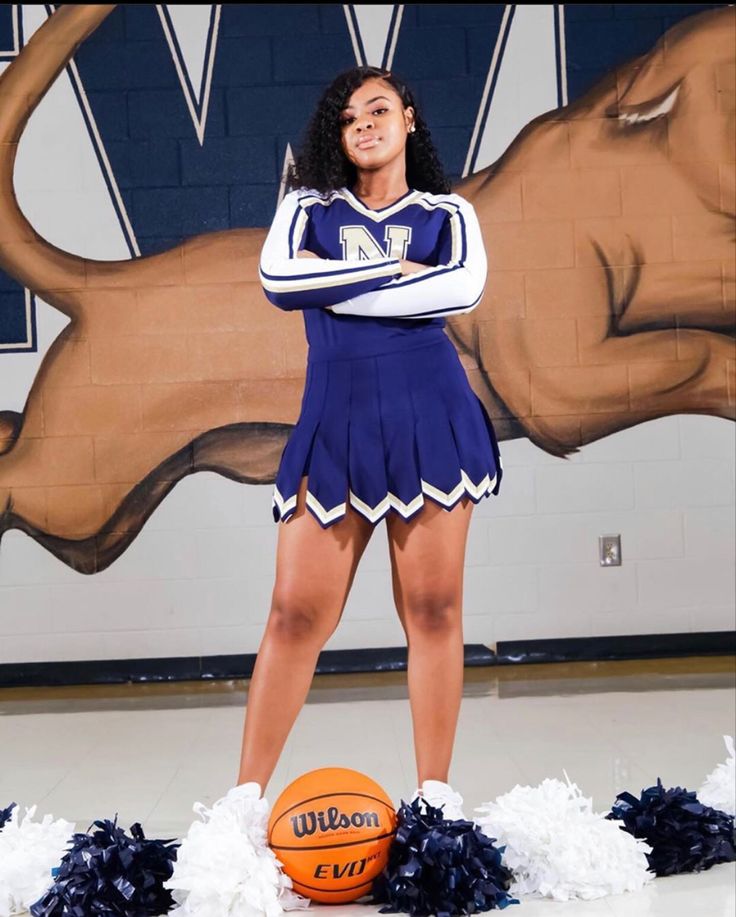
609 227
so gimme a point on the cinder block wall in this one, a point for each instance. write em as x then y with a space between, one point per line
198 579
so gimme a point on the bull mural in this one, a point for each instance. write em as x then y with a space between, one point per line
609 226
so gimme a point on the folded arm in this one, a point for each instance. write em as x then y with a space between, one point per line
290 282
453 287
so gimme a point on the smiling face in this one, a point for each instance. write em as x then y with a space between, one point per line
374 125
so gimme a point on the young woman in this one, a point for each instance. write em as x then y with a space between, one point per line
376 251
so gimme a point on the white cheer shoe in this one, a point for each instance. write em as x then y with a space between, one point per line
441 796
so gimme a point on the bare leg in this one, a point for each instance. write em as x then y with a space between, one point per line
315 568
427 562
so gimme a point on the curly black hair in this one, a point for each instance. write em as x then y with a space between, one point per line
321 163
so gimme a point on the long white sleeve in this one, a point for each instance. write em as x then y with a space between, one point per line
311 283
453 287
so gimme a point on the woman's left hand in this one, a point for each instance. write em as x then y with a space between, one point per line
411 267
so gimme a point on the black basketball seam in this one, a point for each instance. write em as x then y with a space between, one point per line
325 796
335 891
365 840
329 795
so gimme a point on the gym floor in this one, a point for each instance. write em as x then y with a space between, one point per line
147 752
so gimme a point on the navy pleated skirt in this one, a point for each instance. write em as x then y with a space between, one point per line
385 432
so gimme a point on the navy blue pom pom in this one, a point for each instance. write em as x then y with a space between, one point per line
109 874
5 815
685 835
442 867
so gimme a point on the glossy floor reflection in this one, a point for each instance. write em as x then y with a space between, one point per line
148 752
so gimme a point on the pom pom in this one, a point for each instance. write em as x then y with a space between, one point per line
438 866
557 847
110 874
719 789
225 866
28 852
685 835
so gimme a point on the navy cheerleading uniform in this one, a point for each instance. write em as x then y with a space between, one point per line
388 417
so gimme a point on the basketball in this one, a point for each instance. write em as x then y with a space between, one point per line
331 829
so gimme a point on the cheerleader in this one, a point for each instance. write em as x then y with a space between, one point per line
375 251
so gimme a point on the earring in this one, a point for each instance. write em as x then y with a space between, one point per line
412 129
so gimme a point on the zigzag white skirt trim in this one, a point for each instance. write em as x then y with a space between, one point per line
285 508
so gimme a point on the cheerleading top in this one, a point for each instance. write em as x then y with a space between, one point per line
354 298
388 416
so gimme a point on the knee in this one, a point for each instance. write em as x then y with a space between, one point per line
295 618
431 613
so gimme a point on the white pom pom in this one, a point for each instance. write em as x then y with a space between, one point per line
557 847
719 789
225 866
28 852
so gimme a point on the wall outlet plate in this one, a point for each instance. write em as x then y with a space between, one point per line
609 550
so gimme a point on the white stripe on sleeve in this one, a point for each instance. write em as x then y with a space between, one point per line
290 282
